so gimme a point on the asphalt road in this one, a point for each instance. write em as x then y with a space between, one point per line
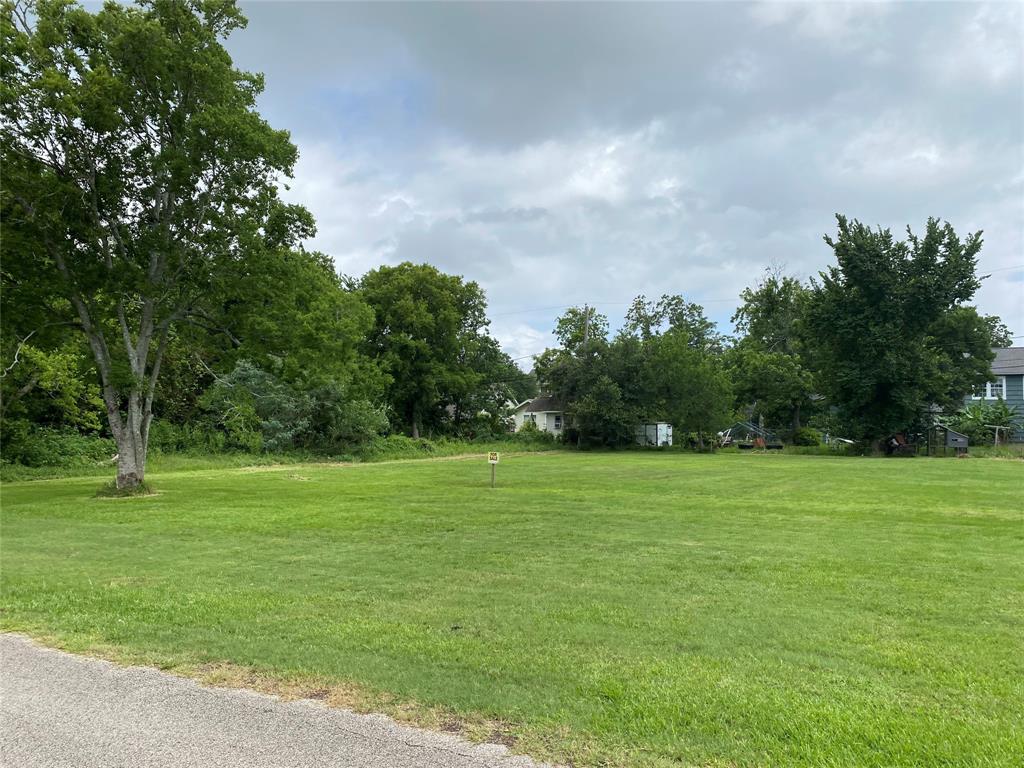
66 711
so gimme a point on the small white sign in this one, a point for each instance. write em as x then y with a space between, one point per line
492 457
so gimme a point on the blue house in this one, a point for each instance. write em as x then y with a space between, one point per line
1007 382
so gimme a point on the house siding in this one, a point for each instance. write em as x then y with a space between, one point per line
1015 399
1014 396
545 420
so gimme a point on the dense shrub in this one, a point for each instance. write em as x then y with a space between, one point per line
977 421
530 434
337 423
34 446
255 411
201 438
396 447
806 436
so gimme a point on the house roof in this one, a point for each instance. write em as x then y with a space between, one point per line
542 404
1008 361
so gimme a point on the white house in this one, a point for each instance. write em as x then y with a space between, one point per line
544 411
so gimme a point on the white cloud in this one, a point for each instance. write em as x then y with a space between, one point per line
988 47
848 25
651 149
894 149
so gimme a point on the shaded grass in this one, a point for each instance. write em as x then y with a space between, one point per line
634 608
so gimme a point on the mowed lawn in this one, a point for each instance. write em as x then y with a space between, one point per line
624 609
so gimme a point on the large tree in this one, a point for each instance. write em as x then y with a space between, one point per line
425 337
769 364
893 329
137 173
688 386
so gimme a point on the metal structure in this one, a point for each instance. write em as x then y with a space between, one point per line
747 435
942 437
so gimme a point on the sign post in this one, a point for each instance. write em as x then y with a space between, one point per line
492 459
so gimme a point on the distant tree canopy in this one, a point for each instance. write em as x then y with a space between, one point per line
769 364
429 339
663 365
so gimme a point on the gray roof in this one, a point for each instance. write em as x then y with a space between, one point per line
542 404
1008 361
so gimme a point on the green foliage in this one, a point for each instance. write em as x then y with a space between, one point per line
532 435
893 332
578 328
774 385
689 387
428 332
34 446
55 387
337 422
978 421
137 176
258 411
647 319
288 311
806 436
600 416
771 315
769 367
663 366
195 437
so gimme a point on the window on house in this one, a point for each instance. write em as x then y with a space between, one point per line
530 417
993 390
558 421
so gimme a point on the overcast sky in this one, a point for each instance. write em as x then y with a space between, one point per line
571 153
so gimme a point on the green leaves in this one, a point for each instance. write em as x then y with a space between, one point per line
429 328
892 332
138 176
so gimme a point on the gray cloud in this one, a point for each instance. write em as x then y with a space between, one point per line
579 152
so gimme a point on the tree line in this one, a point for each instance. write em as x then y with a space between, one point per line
155 281
876 344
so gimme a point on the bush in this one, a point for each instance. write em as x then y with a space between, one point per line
165 437
807 436
975 421
530 434
337 422
396 447
33 446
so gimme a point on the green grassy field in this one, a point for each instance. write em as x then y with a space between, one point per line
625 609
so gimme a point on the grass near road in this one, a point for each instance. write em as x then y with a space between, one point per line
634 609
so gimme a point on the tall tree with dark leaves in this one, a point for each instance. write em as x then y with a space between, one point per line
894 331
137 172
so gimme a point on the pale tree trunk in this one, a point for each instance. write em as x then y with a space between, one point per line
129 409
132 444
